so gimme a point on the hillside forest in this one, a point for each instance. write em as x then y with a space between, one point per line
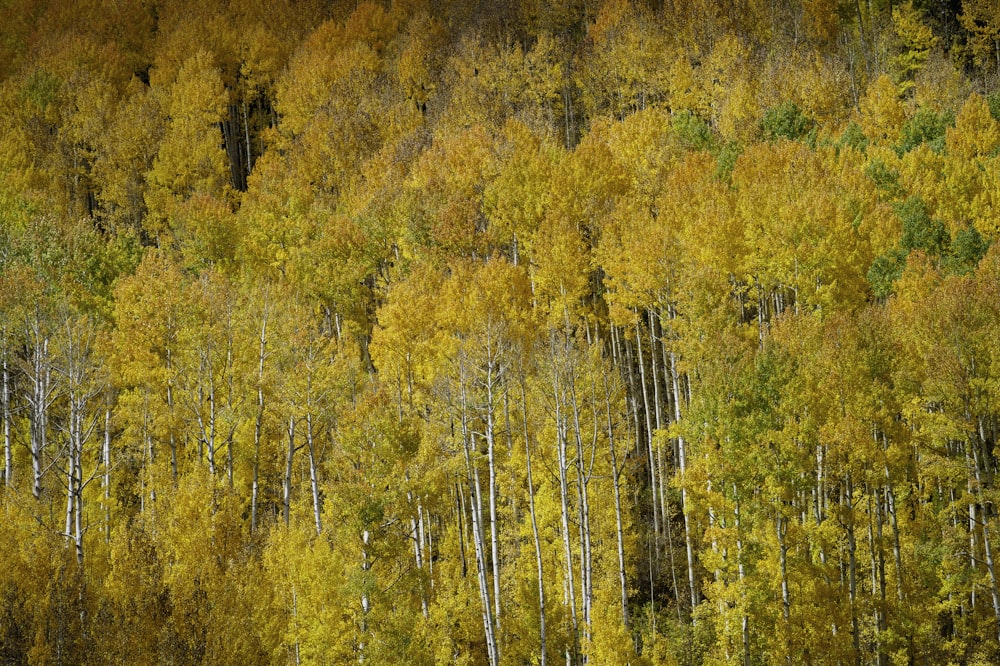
500 332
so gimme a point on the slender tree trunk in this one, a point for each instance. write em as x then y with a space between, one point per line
77 370
534 528
71 464
208 430
583 509
649 434
619 530
229 459
491 461
653 363
665 471
508 427
987 545
258 426
872 546
170 408
478 540
366 605
73 527
106 480
313 475
8 469
246 134
883 657
561 435
429 531
973 527
230 397
682 464
669 529
463 523
40 400
744 616
286 486
890 502
852 568
781 525
78 487
417 526
632 403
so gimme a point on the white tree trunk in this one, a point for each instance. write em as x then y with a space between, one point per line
653 481
619 531
491 461
534 529
8 469
478 539
106 481
561 434
682 465
286 485
39 400
314 475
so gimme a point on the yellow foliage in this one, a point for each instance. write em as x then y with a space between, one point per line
474 234
686 93
976 134
916 39
882 112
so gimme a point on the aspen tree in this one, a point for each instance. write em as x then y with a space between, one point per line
78 365
189 160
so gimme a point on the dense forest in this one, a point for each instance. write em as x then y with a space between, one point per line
500 332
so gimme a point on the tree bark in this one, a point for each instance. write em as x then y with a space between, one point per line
534 528
987 546
286 486
463 523
40 400
583 505
314 475
106 481
170 408
649 434
682 465
478 539
561 435
491 462
8 469
258 427
852 567
616 490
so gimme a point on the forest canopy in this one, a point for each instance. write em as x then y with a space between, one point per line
499 332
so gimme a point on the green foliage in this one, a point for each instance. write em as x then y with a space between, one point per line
693 132
993 99
726 160
854 137
351 332
915 41
968 248
885 178
920 232
786 121
960 255
926 126
885 271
